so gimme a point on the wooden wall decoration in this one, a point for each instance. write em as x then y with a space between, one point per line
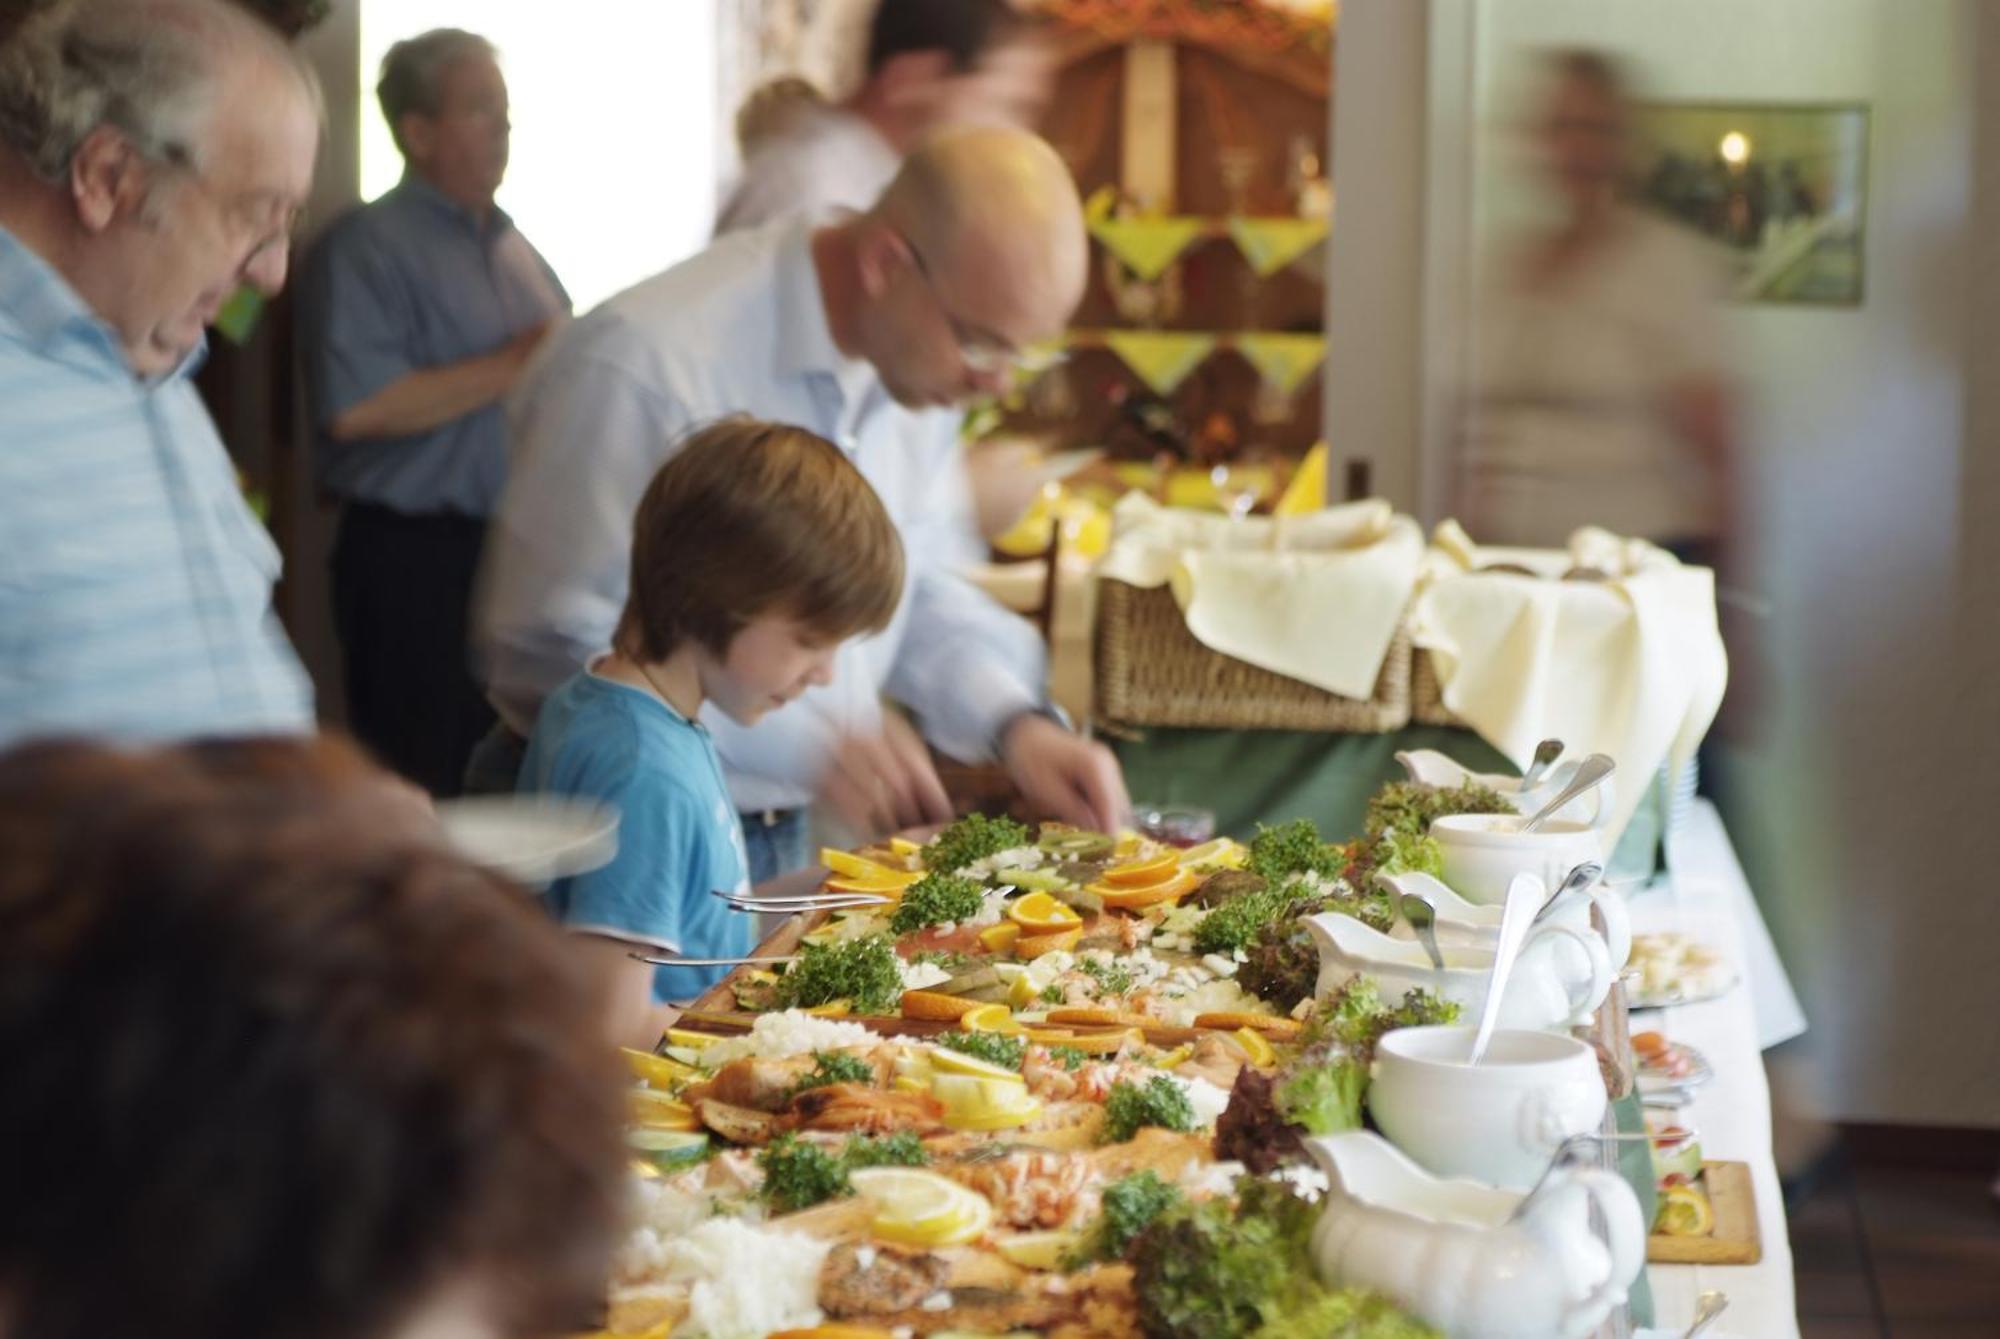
1202 124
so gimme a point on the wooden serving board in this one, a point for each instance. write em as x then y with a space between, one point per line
720 998
1735 1240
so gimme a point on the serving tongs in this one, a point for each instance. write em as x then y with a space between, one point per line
805 902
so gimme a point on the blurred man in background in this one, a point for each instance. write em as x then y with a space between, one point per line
1602 394
154 156
931 65
855 330
420 312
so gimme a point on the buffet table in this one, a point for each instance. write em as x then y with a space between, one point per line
1706 897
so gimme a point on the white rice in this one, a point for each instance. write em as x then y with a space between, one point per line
781 1035
1209 1101
744 1280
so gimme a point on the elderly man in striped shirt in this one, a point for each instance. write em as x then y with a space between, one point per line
153 156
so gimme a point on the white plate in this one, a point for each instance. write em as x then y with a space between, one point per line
1713 989
1653 1081
531 839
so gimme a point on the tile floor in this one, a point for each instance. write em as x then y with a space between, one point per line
1888 1250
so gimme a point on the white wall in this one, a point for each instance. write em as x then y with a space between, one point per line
1867 853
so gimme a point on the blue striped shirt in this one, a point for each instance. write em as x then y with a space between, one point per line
135 585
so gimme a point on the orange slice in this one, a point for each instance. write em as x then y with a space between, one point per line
1086 1017
1131 897
1098 1043
1150 870
1041 913
1029 947
936 1006
1273 1027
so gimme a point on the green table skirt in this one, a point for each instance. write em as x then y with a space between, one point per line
1247 777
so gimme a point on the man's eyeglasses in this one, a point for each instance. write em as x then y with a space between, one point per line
985 353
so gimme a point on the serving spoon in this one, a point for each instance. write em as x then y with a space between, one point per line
1524 897
1422 914
1706 1308
1546 753
1575 881
1589 774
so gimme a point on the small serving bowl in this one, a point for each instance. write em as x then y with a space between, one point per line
1499 1121
1483 852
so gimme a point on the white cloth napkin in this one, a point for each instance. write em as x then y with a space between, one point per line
1632 666
1316 597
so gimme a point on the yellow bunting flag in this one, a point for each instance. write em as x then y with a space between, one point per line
1147 245
1307 490
1162 358
1285 361
1271 244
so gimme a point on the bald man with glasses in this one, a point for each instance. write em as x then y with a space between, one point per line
871 331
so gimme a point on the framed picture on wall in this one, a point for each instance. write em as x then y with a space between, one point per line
1780 189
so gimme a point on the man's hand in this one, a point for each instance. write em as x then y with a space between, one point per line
881 783
1064 775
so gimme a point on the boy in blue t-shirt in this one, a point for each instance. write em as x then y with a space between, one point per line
757 550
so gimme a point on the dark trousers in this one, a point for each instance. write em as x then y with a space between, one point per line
402 603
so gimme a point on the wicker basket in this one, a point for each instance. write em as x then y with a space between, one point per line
1427 694
1150 670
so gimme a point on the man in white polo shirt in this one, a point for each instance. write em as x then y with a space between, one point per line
863 330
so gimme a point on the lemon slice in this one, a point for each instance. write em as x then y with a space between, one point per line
1684 1212
1126 845
1222 853
1022 993
944 1060
903 846
972 1102
1038 1250
915 1207
694 1041
1040 911
657 1070
999 938
991 1018
656 1111
850 866
1253 1042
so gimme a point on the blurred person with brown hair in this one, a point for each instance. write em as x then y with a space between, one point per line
419 312
154 157
756 551
277 1063
931 65
867 331
1601 394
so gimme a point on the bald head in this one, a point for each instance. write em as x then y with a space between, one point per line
996 209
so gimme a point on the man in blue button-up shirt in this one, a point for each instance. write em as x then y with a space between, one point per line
153 156
420 311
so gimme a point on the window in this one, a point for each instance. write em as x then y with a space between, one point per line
614 163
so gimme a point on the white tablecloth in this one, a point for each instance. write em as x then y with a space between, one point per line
1706 897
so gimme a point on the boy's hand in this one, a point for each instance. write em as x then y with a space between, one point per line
881 783
1065 776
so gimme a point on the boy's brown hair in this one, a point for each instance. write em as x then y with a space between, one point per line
752 518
